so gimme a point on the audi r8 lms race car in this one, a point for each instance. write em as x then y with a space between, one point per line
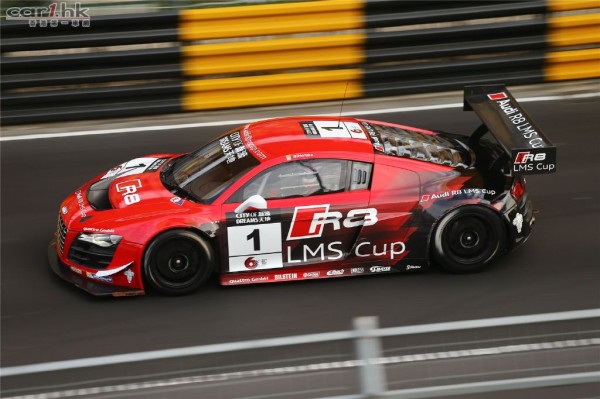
306 198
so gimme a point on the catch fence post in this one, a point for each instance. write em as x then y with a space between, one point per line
368 350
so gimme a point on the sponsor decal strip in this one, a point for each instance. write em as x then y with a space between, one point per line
233 148
98 230
80 203
307 274
250 144
337 365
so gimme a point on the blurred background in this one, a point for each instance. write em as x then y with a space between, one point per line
135 6
171 75
132 58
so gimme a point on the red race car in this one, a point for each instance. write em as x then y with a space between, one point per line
307 198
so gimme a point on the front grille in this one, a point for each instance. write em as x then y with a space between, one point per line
89 255
61 234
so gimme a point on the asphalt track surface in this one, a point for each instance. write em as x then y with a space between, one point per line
44 319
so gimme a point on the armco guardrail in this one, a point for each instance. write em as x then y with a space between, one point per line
270 54
118 66
369 360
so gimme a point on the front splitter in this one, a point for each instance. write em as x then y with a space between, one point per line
92 287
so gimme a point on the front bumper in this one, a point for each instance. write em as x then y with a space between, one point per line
93 287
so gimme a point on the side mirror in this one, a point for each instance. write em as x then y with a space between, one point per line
254 202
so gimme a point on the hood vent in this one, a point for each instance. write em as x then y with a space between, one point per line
97 195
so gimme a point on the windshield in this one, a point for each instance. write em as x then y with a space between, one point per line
206 173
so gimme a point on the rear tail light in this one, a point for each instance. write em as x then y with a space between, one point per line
518 189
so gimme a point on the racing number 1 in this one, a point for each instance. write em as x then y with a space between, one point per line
255 236
261 241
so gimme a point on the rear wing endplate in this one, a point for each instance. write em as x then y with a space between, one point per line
528 148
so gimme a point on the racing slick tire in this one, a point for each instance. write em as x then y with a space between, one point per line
177 262
468 238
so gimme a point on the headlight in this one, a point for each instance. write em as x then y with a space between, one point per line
101 240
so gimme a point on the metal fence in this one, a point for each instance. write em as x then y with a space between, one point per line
376 366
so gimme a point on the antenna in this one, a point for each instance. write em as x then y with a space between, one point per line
342 106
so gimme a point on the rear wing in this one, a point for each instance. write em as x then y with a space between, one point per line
529 150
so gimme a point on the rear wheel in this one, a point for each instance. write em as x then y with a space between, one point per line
177 262
468 239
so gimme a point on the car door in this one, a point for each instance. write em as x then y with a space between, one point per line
396 239
314 214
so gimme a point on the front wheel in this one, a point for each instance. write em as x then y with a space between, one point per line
468 239
177 262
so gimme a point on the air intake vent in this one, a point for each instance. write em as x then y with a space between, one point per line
89 255
61 234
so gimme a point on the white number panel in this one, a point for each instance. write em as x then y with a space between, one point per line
254 247
334 129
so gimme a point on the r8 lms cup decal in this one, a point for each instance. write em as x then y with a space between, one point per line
519 119
465 192
525 156
333 251
129 191
309 221
528 161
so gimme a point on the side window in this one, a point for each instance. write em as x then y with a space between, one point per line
361 175
297 179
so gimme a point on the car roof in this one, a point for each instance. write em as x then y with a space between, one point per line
305 134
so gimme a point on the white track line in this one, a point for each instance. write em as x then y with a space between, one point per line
278 371
243 121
